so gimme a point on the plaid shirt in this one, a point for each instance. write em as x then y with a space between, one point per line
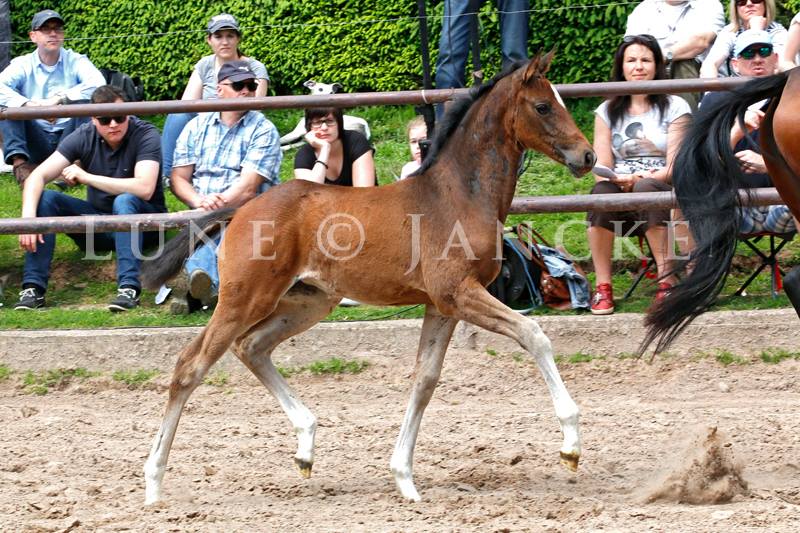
219 153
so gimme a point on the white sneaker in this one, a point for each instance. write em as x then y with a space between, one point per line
3 166
347 302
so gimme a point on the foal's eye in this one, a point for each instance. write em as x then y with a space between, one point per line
542 109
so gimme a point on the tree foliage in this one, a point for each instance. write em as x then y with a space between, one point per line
362 44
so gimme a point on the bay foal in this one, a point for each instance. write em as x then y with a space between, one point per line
290 255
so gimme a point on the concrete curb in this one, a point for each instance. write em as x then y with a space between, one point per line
741 332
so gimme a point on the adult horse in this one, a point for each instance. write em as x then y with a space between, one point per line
707 177
431 239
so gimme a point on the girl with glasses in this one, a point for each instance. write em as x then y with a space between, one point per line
635 137
744 15
334 155
223 36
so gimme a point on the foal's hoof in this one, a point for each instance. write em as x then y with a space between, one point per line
570 460
304 467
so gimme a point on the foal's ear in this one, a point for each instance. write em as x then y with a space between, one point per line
538 66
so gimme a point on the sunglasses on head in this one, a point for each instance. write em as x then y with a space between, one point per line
105 121
750 53
742 3
239 85
646 37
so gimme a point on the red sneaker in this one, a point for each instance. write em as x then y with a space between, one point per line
603 300
663 290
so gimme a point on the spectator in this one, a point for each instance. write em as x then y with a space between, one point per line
744 15
334 155
755 56
685 29
222 159
647 129
417 131
5 58
791 54
224 37
50 75
454 43
118 159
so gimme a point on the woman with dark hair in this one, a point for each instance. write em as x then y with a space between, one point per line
334 155
647 131
223 36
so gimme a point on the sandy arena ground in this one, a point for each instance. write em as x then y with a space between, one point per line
486 459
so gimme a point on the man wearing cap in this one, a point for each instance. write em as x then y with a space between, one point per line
50 75
119 159
222 159
754 56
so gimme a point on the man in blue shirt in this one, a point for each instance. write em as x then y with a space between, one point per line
222 159
50 75
119 161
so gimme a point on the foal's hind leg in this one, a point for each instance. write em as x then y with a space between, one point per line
436 332
192 366
476 306
299 309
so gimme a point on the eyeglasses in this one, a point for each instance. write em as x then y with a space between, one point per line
317 124
105 121
239 85
742 3
51 29
750 53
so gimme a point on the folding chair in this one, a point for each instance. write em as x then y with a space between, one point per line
769 259
646 269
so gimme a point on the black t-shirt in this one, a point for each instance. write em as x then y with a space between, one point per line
141 143
751 181
354 145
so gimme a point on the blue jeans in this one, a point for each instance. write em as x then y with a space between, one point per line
205 258
128 245
28 139
454 43
173 127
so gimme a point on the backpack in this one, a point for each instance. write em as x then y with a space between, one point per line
132 88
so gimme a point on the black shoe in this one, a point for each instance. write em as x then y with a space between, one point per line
127 298
30 298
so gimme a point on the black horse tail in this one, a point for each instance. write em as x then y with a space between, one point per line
706 176
157 270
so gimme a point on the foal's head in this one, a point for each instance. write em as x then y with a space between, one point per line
540 121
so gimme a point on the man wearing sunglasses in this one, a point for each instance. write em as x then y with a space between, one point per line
756 57
118 158
50 75
222 159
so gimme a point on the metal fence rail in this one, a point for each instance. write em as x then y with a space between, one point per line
521 205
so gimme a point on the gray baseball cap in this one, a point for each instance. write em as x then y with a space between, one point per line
43 16
235 71
223 21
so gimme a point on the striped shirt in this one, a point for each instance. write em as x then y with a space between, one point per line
219 153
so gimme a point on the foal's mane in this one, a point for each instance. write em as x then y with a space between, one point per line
458 110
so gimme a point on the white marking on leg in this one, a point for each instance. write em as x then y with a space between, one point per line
156 463
538 345
436 332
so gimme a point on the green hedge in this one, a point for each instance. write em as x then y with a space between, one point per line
363 44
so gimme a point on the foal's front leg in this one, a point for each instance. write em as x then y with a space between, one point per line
476 306
436 333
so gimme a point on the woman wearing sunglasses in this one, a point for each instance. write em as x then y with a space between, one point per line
744 15
636 136
334 155
223 37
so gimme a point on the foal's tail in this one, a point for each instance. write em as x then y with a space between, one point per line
706 176
154 272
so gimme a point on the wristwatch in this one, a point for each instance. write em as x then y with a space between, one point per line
668 63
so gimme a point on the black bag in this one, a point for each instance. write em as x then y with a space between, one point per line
132 88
